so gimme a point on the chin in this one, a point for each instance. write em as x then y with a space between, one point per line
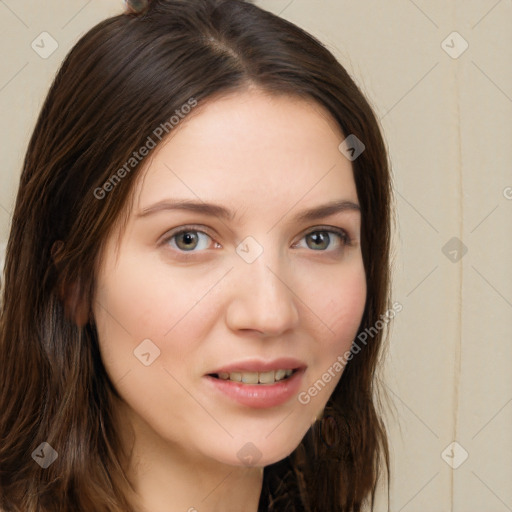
256 454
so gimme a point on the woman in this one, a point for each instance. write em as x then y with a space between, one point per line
140 375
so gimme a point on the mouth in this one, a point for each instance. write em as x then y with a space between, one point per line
267 378
257 390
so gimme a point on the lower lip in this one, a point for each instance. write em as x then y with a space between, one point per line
259 396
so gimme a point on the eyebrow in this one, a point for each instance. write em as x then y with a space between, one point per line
312 214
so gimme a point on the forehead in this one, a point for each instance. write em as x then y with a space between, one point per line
248 145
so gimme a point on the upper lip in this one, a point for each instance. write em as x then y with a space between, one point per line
260 365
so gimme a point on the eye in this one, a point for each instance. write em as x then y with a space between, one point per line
187 238
321 238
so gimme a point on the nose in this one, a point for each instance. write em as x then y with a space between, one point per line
262 298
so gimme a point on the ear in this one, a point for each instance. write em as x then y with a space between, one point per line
74 306
71 295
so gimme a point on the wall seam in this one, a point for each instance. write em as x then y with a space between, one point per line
458 345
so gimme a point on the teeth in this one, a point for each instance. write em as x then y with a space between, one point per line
255 377
280 374
266 377
250 377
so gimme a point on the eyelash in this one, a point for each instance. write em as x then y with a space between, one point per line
185 255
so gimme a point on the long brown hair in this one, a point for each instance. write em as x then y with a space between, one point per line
125 77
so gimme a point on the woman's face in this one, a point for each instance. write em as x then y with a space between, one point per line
257 289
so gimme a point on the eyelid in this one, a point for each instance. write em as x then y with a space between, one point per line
187 227
343 233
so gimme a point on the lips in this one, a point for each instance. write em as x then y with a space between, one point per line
257 383
260 366
256 396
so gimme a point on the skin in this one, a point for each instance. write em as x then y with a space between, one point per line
267 158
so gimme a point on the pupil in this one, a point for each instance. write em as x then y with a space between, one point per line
188 238
319 235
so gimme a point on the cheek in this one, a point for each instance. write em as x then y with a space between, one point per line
136 302
345 298
341 309
133 304
349 309
128 310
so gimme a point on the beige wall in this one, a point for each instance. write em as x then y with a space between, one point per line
448 125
